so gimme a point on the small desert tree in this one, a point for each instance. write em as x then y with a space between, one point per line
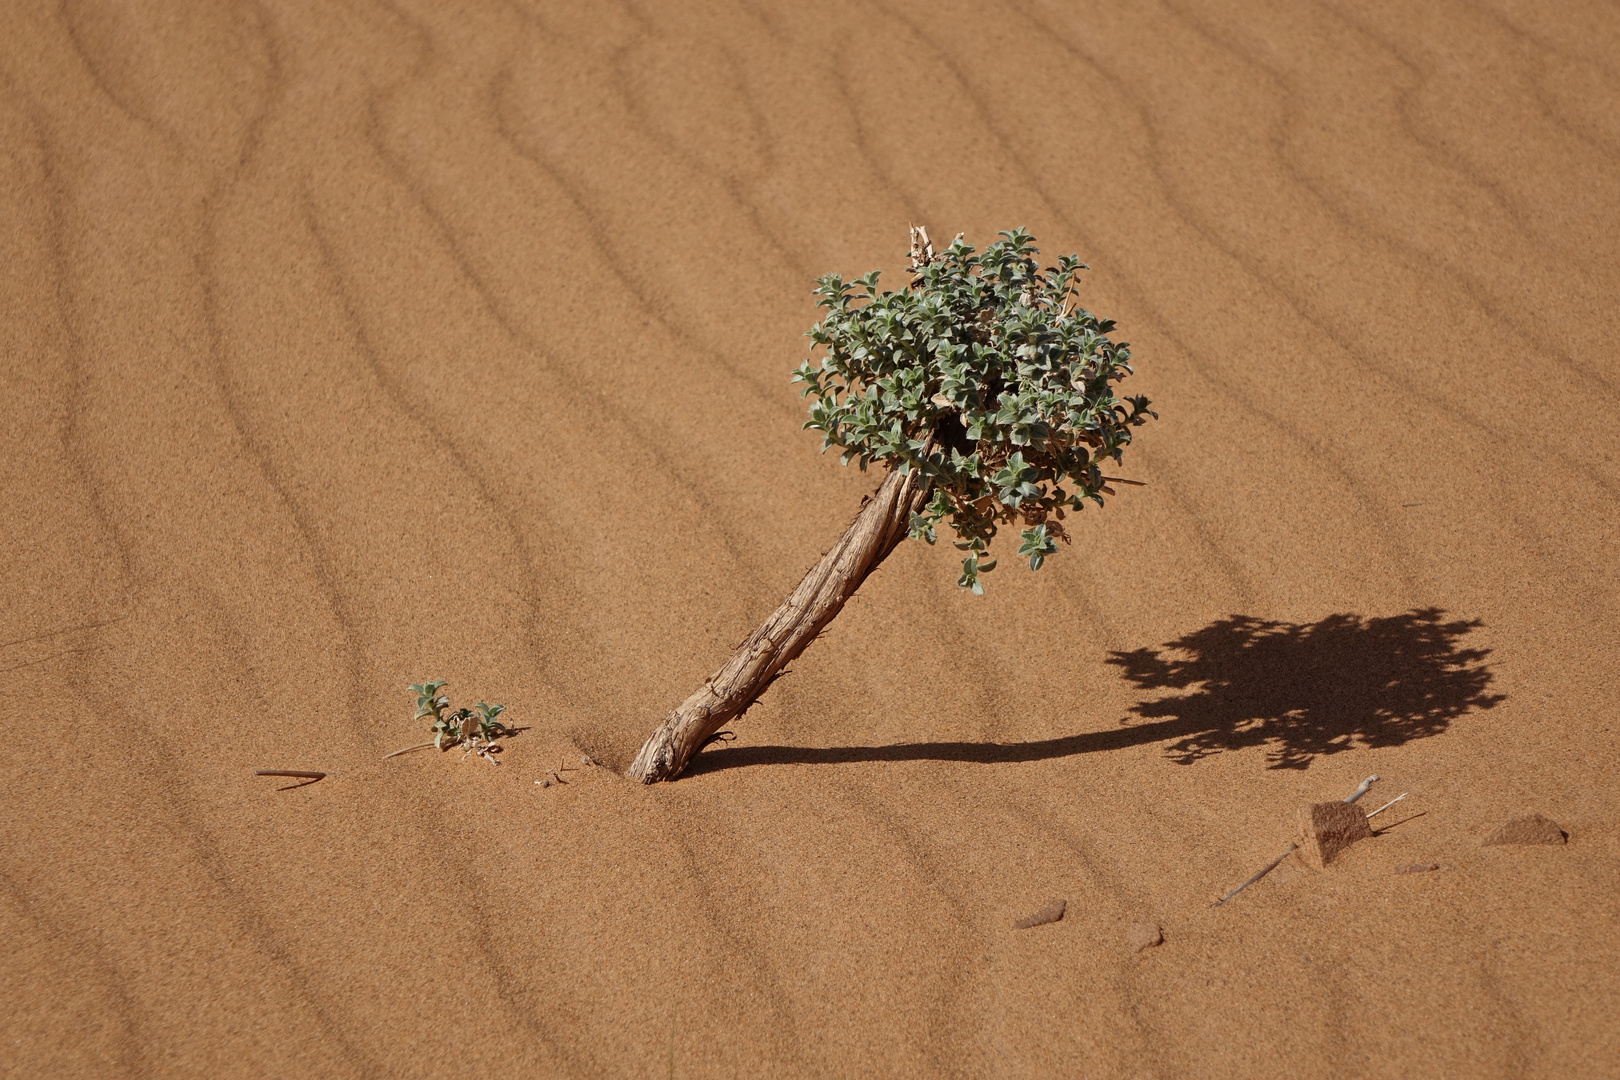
989 398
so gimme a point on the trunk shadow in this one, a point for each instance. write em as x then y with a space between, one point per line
1300 690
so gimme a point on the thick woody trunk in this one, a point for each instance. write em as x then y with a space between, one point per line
879 528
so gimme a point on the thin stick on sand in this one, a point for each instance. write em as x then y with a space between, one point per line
1391 803
1268 868
1362 790
408 749
298 774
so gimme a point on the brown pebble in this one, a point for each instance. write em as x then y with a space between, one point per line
1531 829
1144 935
1417 868
1326 829
1050 913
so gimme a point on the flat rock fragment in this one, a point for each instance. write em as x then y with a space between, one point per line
1050 913
1530 829
1326 829
1144 935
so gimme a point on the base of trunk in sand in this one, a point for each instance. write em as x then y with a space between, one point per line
882 523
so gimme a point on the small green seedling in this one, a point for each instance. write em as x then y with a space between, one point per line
475 729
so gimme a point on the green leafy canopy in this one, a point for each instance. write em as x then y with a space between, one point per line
983 375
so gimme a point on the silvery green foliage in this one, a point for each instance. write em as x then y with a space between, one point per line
476 728
982 375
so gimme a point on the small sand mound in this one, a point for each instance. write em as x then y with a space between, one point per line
1050 913
1144 935
1530 829
1326 829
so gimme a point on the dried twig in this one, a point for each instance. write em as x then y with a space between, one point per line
1391 803
1362 790
721 737
408 749
298 773
1268 868
922 252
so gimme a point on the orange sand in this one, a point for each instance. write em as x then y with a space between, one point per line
351 344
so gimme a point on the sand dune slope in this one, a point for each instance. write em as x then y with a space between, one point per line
345 345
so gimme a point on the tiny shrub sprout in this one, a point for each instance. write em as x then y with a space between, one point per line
475 729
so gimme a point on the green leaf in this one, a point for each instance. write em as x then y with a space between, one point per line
1037 544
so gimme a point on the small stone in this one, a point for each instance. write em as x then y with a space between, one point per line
1050 913
1144 935
1328 828
1531 829
1417 868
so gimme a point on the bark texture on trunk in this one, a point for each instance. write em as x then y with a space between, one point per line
882 523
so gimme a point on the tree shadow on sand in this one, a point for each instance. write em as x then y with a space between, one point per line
1301 690
1307 690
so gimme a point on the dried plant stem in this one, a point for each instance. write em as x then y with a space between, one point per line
882 523
296 773
1268 868
1362 790
1391 803
408 749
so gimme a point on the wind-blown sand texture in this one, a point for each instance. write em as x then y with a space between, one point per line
352 344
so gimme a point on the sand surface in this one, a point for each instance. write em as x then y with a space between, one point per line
345 345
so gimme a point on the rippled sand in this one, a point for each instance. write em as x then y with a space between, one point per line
351 344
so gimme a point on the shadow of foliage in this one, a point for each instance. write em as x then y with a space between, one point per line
1299 689
1307 690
